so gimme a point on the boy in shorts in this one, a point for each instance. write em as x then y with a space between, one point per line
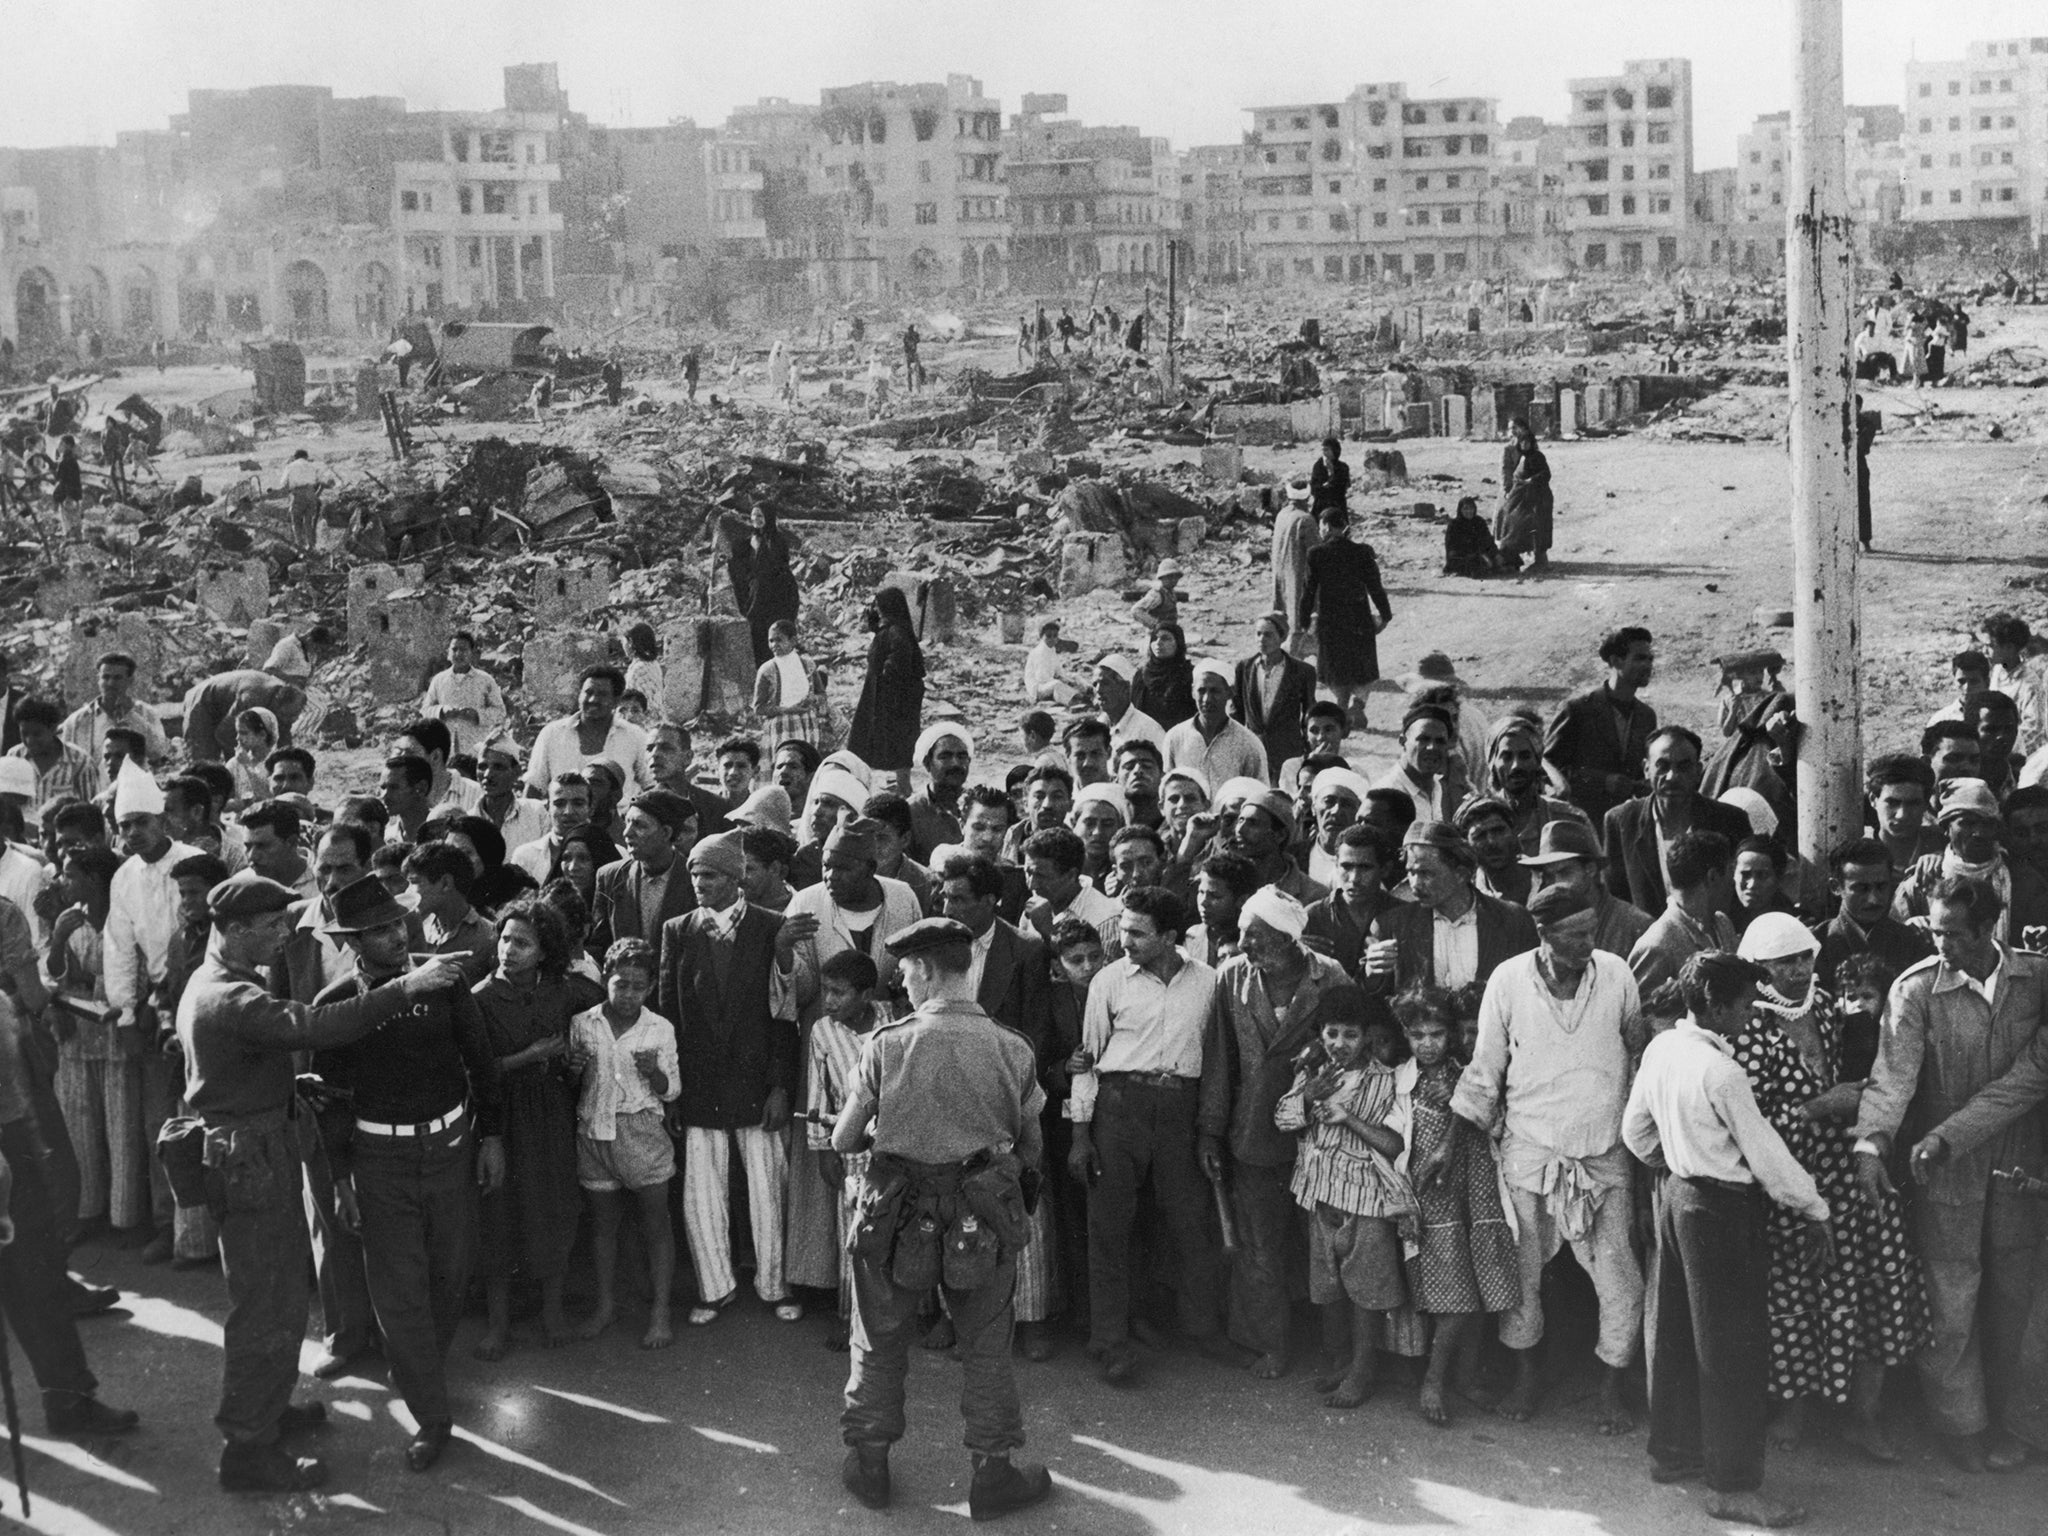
627 1057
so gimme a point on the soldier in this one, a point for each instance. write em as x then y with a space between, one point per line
947 1100
238 1042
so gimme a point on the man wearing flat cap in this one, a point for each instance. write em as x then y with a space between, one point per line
1557 1028
427 1133
1970 819
1452 935
1265 833
636 897
238 1045
947 1101
946 752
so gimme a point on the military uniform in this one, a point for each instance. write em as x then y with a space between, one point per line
238 1042
949 1102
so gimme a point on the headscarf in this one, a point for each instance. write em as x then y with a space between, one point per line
1778 936
893 609
1162 674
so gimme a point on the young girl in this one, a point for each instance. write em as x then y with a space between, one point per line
627 1057
643 671
847 991
1461 1258
529 1221
1344 1178
255 740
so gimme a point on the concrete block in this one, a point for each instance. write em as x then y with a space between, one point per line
1628 397
1485 412
1091 560
369 585
235 594
933 604
1418 418
565 594
93 634
1543 418
551 661
1313 420
1567 412
1032 461
62 591
1223 461
405 640
1453 420
1010 626
1188 533
707 667
263 637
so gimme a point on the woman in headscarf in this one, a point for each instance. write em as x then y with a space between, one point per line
255 740
1165 685
789 693
1342 591
1329 481
890 714
1523 527
1833 1331
773 597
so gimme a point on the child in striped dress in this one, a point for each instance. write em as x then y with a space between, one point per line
846 990
1344 1178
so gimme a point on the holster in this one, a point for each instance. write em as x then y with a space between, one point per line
181 1148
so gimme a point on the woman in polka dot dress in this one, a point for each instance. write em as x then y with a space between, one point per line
1833 1331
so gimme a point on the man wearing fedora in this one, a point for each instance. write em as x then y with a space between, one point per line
239 1043
1452 935
426 1134
1567 853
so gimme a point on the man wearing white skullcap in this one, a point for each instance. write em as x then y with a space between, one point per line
946 752
1270 991
142 920
1213 742
1099 813
1336 795
1127 722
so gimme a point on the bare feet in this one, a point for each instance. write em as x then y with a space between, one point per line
1329 1375
1868 1436
554 1328
1755 1508
597 1322
1430 1402
1788 1426
1269 1367
660 1331
1615 1418
1475 1391
491 1346
1353 1390
1519 1406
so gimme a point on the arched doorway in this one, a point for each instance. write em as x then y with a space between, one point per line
374 302
926 270
92 306
139 316
970 269
992 269
38 311
305 297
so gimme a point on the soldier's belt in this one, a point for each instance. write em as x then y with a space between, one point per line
423 1128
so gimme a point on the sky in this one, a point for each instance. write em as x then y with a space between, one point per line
1185 69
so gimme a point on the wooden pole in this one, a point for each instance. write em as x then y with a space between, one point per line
1819 287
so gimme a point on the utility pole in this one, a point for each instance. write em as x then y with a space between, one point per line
1819 292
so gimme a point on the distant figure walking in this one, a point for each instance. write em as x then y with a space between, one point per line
1523 526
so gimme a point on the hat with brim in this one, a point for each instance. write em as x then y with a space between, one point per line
1563 840
364 907
18 777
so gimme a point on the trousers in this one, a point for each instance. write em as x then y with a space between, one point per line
348 1323
1145 1133
418 1199
1710 1336
1604 1253
35 1292
101 1098
1986 1264
707 1207
884 1327
1268 1233
263 1258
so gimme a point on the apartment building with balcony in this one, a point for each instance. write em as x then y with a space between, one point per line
1628 178
1975 141
1085 201
474 208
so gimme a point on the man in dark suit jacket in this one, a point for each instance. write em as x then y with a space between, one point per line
636 896
1635 866
1016 977
1863 879
1440 870
1282 725
1598 739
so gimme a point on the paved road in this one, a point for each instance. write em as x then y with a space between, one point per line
734 1430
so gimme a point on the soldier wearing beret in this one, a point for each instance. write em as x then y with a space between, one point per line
238 1042
948 1101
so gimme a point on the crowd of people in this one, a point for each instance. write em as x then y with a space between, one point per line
1202 1011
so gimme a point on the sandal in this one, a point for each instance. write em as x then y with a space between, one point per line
701 1316
789 1311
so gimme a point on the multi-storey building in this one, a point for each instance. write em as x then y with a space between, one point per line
1086 202
474 208
1529 170
1375 185
1976 138
1628 181
1872 161
1212 210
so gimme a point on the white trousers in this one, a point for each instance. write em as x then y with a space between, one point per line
707 1210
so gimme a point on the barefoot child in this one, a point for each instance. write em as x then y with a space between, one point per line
627 1056
529 1222
1344 1178
847 991
1461 1260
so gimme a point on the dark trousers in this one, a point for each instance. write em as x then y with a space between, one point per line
1069 1216
35 1293
1268 1224
1710 1332
263 1257
348 1323
884 1326
1146 1133
418 1199
61 1178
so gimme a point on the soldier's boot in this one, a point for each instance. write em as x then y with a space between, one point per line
266 1469
866 1474
999 1487
80 1413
